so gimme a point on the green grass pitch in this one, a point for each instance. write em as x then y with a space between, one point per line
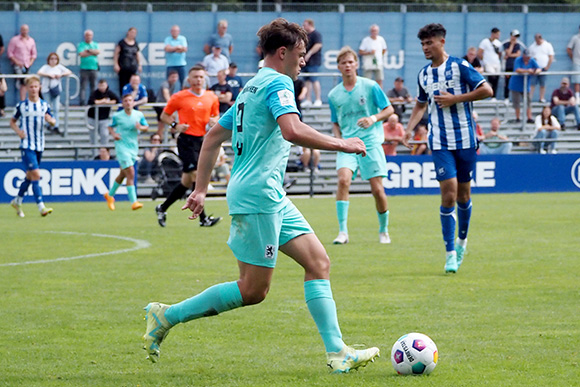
509 317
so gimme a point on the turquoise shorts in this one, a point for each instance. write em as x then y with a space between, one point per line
125 158
256 238
372 165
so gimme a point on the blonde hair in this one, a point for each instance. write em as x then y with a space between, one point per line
32 78
346 50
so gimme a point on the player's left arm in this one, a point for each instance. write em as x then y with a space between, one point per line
48 117
142 124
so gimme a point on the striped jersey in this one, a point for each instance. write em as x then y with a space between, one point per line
451 127
31 120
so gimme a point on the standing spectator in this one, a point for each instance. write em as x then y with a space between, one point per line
524 64
473 60
22 54
399 96
126 60
51 88
564 102
213 63
543 52
221 39
3 86
104 98
223 91
511 50
175 48
547 126
372 50
235 82
166 90
489 53
28 123
573 50
89 51
124 128
313 59
1 45
495 148
138 90
394 134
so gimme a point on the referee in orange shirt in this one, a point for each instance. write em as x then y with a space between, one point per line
195 107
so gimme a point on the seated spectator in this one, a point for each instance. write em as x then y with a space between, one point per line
547 126
215 62
104 155
310 160
222 168
223 91
525 64
138 90
473 60
166 90
149 165
495 148
564 102
104 98
394 134
235 82
50 75
399 96
299 94
420 135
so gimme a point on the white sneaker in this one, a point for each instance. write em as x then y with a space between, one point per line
18 207
542 151
341 239
553 151
349 359
384 238
317 103
305 103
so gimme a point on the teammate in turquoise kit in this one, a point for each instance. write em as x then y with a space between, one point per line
358 106
124 128
261 124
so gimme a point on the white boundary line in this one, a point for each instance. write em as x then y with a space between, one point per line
139 244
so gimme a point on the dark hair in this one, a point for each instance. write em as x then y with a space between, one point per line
432 30
102 80
171 72
196 68
281 33
51 55
494 30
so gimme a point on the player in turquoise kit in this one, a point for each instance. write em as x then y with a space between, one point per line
357 108
124 128
261 124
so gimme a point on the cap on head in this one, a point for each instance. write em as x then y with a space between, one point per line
399 79
515 33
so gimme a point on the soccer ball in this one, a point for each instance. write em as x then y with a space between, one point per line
414 353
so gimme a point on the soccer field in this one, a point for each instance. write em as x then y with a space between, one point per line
509 317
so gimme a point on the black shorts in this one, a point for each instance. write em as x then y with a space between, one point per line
189 148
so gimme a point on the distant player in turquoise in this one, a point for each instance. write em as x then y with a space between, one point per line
261 124
28 123
448 86
124 128
357 108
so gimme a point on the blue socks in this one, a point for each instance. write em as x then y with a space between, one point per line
321 305
214 300
383 221
37 191
448 227
132 194
342 214
24 187
463 216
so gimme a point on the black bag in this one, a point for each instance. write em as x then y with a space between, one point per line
54 91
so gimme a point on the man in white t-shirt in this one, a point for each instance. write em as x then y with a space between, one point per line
489 55
573 50
543 52
373 49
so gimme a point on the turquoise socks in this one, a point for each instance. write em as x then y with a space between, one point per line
114 188
342 214
383 221
216 299
132 194
322 308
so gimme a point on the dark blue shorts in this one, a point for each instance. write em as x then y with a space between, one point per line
310 69
458 163
30 159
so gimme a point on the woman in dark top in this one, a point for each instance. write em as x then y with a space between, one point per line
126 59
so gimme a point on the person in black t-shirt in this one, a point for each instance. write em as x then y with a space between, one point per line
126 60
104 98
223 91
313 59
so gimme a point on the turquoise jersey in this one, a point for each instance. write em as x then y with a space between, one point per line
347 107
125 126
260 151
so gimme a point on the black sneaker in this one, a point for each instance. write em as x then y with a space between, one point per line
161 215
209 221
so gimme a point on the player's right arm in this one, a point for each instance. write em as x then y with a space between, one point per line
16 129
416 115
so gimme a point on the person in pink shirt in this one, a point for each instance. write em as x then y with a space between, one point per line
394 133
22 54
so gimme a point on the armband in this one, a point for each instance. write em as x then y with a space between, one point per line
374 118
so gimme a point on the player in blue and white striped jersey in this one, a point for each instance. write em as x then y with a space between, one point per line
28 123
447 87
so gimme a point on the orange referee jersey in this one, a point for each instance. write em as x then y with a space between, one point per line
194 110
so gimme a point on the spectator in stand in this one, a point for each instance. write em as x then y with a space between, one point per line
372 50
213 63
543 52
104 98
495 148
221 167
235 82
223 91
473 60
573 50
3 90
89 51
175 53
478 131
394 134
547 126
1 45
511 50
313 59
524 65
22 54
564 102
489 53
148 167
221 39
138 90
420 135
399 96
104 155
50 75
126 60
166 90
